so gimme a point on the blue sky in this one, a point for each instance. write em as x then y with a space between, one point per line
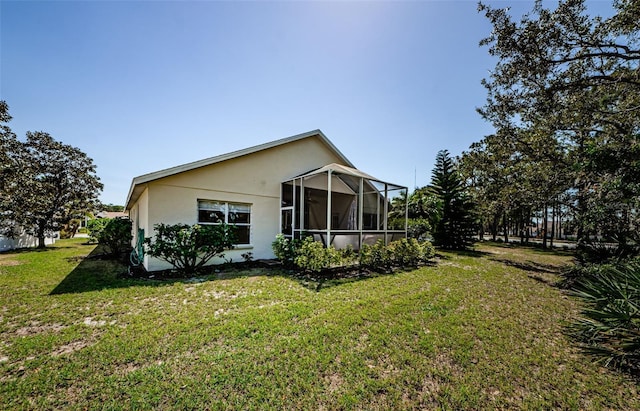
144 85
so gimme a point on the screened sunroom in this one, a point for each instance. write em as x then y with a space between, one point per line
342 206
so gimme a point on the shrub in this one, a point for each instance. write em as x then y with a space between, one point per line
189 247
401 253
610 326
376 256
116 235
410 252
95 228
284 249
313 256
418 227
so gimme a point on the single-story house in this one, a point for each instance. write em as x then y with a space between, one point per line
112 214
299 185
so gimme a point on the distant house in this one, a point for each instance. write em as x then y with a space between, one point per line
112 214
300 185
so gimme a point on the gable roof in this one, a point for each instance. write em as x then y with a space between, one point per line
137 182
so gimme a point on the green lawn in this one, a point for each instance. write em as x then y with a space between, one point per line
477 330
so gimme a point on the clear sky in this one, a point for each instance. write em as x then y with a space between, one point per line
144 85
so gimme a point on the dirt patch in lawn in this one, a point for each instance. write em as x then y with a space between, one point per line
71 347
7 261
35 328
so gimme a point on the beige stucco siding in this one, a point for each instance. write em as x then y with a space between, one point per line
252 179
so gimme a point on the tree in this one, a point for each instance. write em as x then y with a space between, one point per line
455 226
573 81
56 183
111 207
10 169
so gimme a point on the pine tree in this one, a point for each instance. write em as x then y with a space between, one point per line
454 228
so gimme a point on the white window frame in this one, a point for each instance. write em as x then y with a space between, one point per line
226 205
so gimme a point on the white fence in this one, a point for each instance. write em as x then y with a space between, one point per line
24 241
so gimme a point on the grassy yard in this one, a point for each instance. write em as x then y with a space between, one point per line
479 330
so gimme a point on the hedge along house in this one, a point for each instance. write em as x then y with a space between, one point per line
300 185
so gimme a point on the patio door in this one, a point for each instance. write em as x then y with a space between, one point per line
286 221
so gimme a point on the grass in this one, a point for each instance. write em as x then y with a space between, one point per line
481 330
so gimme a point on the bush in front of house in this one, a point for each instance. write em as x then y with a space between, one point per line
116 236
375 256
285 249
410 252
189 247
95 228
310 255
313 256
113 233
609 327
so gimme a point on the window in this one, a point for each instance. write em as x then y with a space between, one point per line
218 212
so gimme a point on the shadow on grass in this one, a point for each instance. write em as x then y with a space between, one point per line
93 273
332 278
529 266
33 250
534 247
461 253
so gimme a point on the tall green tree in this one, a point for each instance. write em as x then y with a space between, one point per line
455 226
573 81
44 183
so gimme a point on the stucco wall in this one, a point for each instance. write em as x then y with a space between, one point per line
253 179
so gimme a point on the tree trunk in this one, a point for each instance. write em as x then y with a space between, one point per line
528 226
40 235
553 225
545 225
505 227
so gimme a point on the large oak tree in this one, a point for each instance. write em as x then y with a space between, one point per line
44 183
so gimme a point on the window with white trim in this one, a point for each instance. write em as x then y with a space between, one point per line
235 214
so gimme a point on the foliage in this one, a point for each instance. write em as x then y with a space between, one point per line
310 255
400 253
110 207
564 98
189 247
376 256
95 228
44 183
69 230
285 249
116 235
410 252
314 256
422 209
455 226
610 324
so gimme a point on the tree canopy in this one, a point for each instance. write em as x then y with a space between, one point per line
564 98
45 184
